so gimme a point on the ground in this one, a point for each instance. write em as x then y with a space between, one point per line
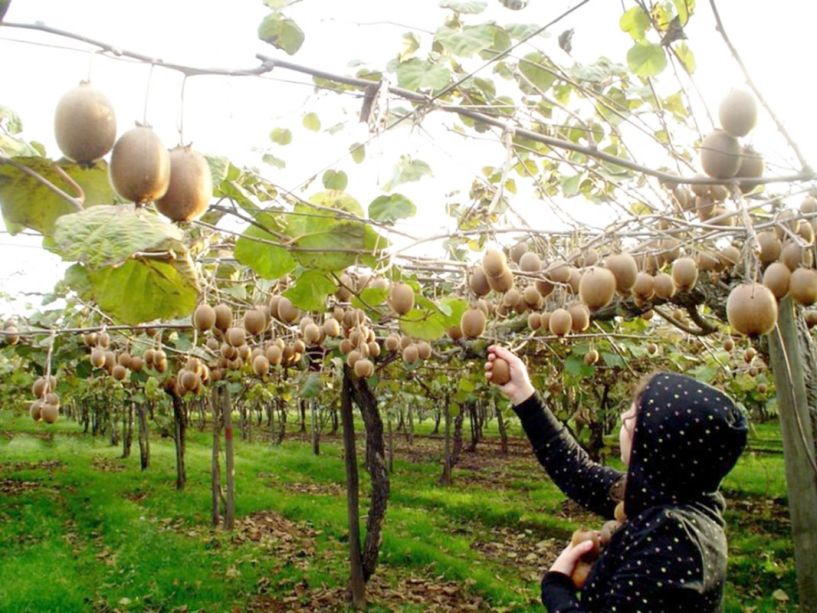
83 530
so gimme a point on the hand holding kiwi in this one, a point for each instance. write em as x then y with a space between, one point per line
505 369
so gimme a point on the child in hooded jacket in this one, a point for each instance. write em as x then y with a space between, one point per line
679 439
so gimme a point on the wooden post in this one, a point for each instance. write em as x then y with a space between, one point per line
798 450
356 583
227 415
179 430
215 466
144 437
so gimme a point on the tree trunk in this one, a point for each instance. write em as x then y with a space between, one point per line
473 420
457 446
180 427
282 420
114 431
302 407
798 448
445 478
144 437
390 434
437 415
503 431
215 466
410 426
227 415
334 421
316 436
127 429
376 466
357 583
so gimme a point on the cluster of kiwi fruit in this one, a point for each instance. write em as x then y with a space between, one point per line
141 169
600 539
12 334
46 406
120 364
787 270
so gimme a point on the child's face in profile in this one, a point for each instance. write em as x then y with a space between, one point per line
625 435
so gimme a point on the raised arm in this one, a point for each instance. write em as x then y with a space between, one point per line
567 464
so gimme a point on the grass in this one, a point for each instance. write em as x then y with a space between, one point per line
95 532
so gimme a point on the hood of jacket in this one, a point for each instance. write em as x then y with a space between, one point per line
687 437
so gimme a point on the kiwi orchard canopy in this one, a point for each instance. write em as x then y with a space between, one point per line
193 279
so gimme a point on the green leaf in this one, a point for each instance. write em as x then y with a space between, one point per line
455 308
281 136
268 261
312 122
422 324
646 59
570 185
373 296
335 179
27 203
410 44
143 290
613 360
311 290
635 22
684 9
390 208
281 32
469 7
416 74
686 56
326 248
407 170
311 386
107 235
335 200
533 67
358 151
219 166
270 159
467 41
575 366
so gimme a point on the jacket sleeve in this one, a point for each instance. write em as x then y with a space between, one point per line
660 569
567 464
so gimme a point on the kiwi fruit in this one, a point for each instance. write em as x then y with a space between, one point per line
204 317
473 323
597 287
518 251
751 167
558 271
331 327
312 334
580 317
392 342
137 364
49 413
478 282
405 341
545 288
455 333
260 365
35 410
274 354
401 298
287 312
110 360
500 372
531 297
663 285
140 166
119 372
236 336
803 286
770 246
411 354
684 273
224 317
255 321
512 298
683 198
84 124
777 278
494 263
738 113
560 322
423 350
534 321
720 155
728 257
43 386
805 231
749 355
530 262
103 339
503 282
591 357
190 188
98 357
624 268
364 368
644 287
794 256
751 309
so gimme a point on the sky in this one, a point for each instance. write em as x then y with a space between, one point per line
233 116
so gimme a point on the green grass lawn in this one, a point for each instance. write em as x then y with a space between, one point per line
83 530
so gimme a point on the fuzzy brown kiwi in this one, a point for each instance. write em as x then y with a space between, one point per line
454 333
545 288
580 317
119 372
751 309
770 246
624 268
720 155
392 342
503 282
500 372
312 334
597 287
473 323
494 263
49 413
401 298
191 186
84 124
644 286
803 286
652 348
140 166
478 281
236 336
331 327
751 167
663 285
684 274
512 298
287 312
255 321
560 322
224 317
364 368
534 321
738 113
531 297
728 257
411 354
98 357
749 355
591 357
777 278
274 354
530 262
805 231
518 251
204 317
260 365
558 271
423 350
794 256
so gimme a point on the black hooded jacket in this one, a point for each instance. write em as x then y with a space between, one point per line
670 555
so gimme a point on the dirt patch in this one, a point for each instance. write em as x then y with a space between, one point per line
13 487
759 515
136 495
523 551
49 465
321 489
107 465
432 594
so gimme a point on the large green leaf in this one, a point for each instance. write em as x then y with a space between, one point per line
268 261
26 202
335 199
390 208
311 290
635 22
407 170
453 309
685 9
416 74
533 66
281 32
335 179
139 290
107 235
423 324
328 247
467 41
646 59
470 7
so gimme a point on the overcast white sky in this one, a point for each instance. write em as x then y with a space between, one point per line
233 116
